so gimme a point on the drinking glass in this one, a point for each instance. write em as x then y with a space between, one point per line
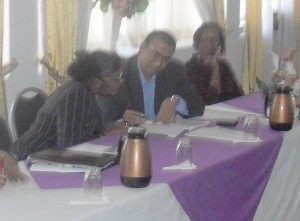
93 183
250 127
184 154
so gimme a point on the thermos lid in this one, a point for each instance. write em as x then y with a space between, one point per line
136 132
283 89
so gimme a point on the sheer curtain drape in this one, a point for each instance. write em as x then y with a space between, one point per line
3 110
61 25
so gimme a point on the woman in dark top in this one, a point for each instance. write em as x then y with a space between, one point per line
70 115
212 74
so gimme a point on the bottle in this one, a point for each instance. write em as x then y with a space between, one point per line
135 162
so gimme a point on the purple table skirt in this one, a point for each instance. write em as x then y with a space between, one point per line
227 185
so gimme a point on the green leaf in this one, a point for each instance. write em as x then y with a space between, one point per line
142 5
104 5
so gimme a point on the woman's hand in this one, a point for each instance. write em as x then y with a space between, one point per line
11 169
3 179
132 117
215 81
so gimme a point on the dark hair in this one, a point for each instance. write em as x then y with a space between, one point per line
168 38
90 65
198 33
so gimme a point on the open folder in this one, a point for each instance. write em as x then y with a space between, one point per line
74 158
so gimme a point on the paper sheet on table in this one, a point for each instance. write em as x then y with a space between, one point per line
68 168
222 111
173 130
43 167
93 148
222 133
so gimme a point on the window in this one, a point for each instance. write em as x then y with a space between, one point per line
179 17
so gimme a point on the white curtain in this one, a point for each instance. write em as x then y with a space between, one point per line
206 9
277 40
267 37
285 36
104 29
178 16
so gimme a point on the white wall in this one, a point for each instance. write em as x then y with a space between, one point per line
24 47
234 45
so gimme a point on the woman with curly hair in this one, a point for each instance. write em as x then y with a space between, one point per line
70 115
211 73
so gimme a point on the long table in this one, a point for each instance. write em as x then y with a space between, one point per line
281 198
228 185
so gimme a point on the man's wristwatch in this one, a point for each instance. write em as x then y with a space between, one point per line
175 98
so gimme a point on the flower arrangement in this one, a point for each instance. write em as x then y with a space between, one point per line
125 7
284 73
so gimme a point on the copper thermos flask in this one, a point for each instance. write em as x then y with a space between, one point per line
135 160
282 111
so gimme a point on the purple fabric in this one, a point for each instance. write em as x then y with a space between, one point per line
227 185
253 102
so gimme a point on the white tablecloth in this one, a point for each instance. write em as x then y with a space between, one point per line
281 198
26 201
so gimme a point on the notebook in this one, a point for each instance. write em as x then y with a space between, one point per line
74 158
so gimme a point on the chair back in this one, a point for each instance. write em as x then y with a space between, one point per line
5 135
24 109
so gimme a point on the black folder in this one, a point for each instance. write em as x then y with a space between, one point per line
76 158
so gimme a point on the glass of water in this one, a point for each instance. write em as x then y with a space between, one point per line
250 127
184 154
93 183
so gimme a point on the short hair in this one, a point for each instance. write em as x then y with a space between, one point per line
198 33
165 36
89 66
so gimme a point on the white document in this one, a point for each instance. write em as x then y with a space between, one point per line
61 168
172 129
93 148
222 111
222 133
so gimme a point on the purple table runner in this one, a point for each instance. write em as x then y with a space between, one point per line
227 185
253 102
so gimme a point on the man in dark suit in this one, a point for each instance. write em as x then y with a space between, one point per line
155 87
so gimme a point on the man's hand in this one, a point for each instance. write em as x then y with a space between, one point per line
167 111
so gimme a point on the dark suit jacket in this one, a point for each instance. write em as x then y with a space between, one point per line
172 80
